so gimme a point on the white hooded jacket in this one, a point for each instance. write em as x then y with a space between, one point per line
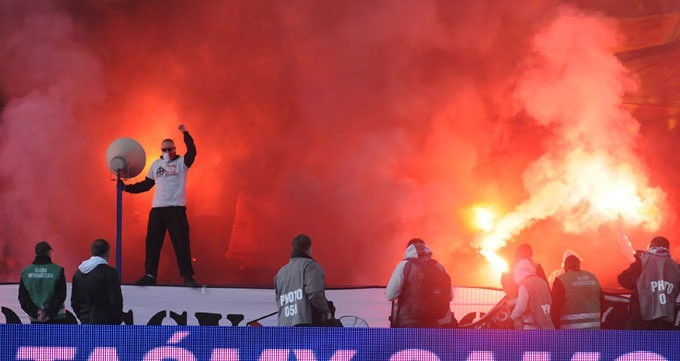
393 288
90 264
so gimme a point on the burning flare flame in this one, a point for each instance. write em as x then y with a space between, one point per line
484 218
589 174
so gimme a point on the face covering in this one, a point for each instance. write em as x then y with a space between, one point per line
166 156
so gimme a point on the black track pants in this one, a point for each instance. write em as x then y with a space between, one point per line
174 220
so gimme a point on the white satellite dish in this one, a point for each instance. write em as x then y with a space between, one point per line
126 158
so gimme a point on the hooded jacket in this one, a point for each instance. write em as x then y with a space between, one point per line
395 292
96 295
532 310
508 283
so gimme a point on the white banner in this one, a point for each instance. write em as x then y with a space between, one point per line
368 304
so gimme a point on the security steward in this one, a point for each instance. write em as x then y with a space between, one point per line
42 289
577 298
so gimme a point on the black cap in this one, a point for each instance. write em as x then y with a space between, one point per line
42 247
572 263
659 242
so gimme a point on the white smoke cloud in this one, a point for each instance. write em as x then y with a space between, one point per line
589 174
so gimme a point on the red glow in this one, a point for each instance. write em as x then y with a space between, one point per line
362 125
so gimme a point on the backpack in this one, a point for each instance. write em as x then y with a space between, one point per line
429 288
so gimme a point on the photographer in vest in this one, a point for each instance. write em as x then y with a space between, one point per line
654 279
420 290
576 298
42 289
300 288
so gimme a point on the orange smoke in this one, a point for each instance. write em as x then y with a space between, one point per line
589 174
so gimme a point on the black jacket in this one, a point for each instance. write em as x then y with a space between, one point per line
96 296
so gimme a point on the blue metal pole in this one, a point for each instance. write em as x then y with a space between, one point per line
119 228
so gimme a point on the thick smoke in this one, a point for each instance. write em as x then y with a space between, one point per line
362 124
589 175
49 79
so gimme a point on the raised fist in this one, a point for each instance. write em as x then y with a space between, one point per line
182 128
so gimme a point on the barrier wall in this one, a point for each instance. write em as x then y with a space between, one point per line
211 306
182 306
81 342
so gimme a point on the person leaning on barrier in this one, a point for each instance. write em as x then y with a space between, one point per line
524 252
42 288
532 310
96 297
300 288
576 298
420 290
654 279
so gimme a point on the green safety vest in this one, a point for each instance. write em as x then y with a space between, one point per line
581 301
40 281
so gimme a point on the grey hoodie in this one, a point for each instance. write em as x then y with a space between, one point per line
532 310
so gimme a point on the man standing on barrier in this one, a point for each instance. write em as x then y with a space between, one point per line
420 290
300 288
654 279
576 298
96 297
42 289
168 210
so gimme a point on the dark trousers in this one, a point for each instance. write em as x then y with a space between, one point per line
658 324
58 321
174 220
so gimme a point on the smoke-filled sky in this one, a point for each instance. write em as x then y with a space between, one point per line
362 124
